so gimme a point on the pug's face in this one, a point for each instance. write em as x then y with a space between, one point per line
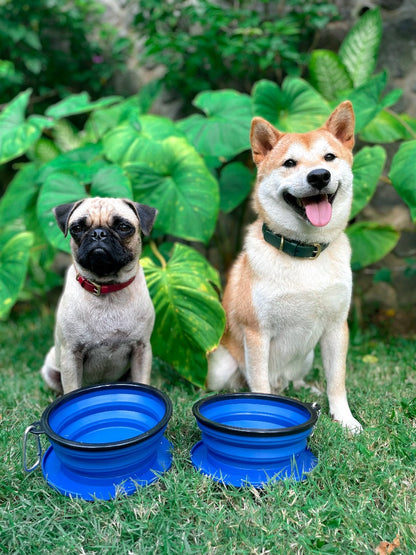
105 232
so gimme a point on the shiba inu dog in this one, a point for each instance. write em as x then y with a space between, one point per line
290 287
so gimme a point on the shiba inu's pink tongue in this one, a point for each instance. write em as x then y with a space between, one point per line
318 210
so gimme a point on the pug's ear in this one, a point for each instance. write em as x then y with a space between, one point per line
145 214
63 213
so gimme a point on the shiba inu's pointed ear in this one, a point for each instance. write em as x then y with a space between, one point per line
341 124
263 137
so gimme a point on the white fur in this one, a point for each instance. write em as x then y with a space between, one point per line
117 341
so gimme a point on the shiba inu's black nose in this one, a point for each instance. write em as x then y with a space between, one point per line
318 178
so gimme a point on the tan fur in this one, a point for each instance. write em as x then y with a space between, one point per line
279 307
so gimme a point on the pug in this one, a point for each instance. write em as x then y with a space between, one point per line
105 315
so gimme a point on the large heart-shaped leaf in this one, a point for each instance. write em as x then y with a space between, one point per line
58 188
111 181
328 74
235 181
386 127
82 162
63 187
359 49
106 119
17 135
78 104
172 177
370 242
402 174
125 142
189 317
102 120
19 193
224 131
367 167
296 107
14 258
366 100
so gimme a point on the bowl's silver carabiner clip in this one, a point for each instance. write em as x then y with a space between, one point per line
316 407
36 430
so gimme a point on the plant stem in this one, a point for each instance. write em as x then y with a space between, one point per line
156 252
385 179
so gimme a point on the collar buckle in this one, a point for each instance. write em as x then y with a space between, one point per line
97 289
317 251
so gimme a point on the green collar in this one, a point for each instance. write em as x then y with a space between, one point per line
293 248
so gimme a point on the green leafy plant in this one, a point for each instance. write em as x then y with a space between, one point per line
349 74
55 47
188 314
134 155
14 255
197 172
219 132
209 45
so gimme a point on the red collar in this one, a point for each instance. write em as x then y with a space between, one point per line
98 290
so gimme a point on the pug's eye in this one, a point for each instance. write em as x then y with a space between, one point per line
329 157
290 163
76 229
125 228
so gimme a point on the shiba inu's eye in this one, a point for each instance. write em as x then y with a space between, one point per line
290 163
329 157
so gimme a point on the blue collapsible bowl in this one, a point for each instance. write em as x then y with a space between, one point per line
105 440
250 439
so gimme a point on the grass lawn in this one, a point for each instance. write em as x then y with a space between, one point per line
362 492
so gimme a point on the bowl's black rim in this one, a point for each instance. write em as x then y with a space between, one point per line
110 446
312 409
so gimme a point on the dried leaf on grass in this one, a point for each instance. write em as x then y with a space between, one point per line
386 547
370 359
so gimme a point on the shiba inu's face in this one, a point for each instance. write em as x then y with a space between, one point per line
304 184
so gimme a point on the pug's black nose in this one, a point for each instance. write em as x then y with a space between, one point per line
319 178
99 234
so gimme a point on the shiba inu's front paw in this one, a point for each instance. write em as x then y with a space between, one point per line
349 422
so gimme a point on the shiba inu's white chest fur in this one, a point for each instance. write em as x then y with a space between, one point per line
295 313
280 304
